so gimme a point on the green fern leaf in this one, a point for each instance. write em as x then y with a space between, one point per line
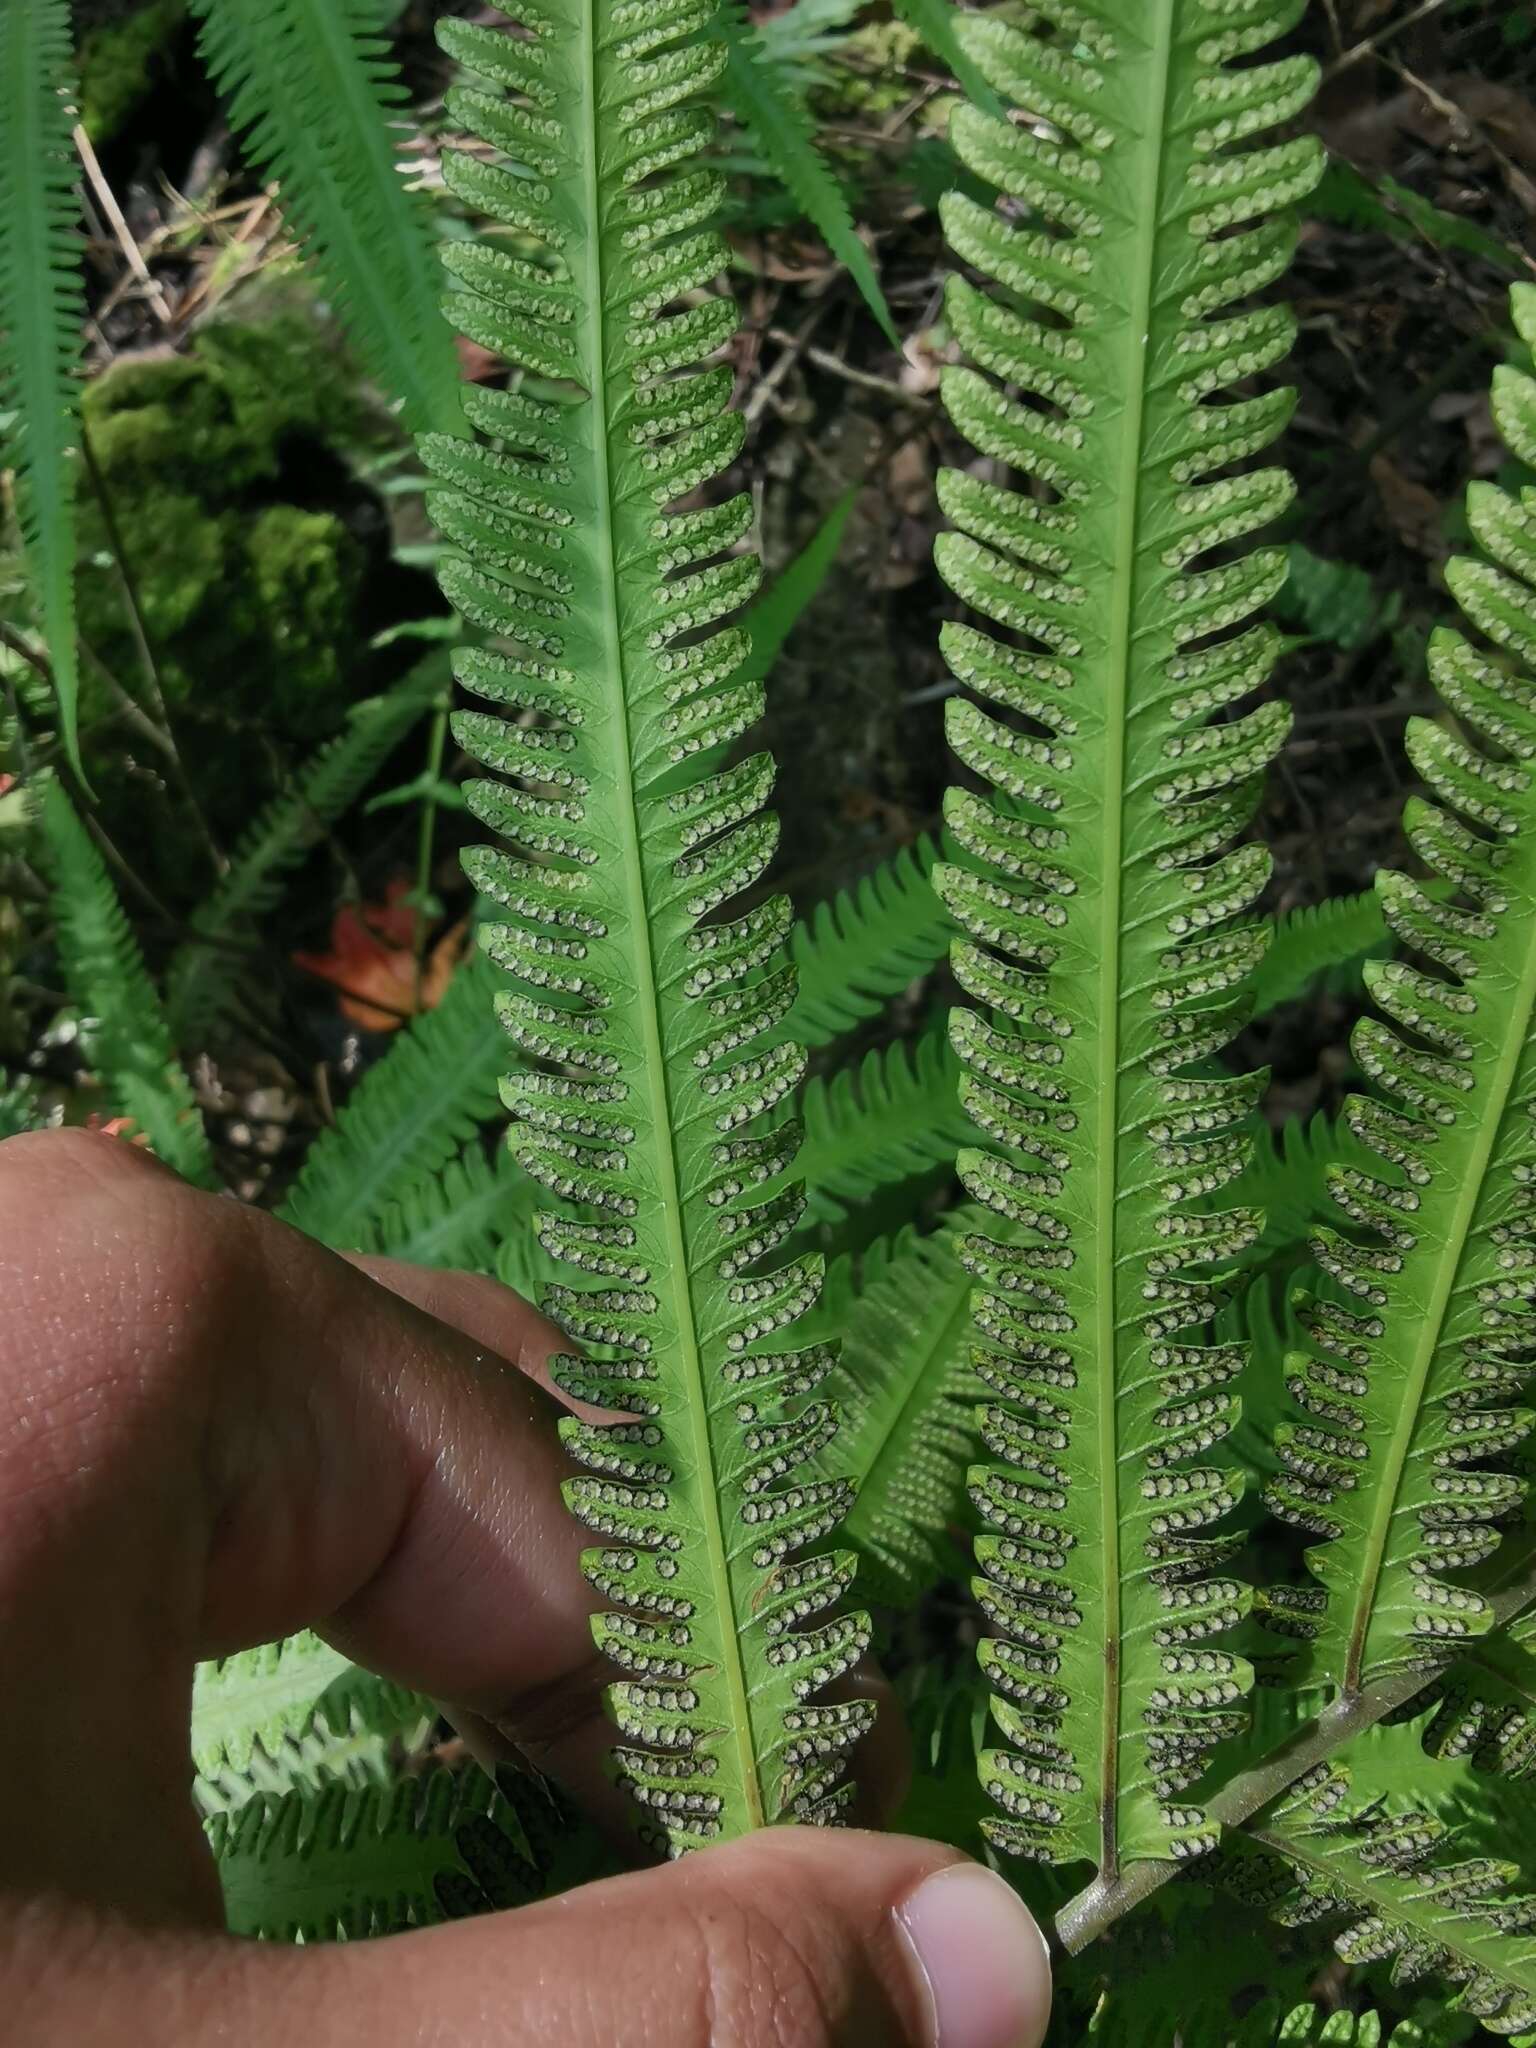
904 1384
866 944
934 22
1485 1709
312 85
41 293
1408 1395
106 976
768 106
1104 933
203 977
350 1862
657 1079
1309 2026
896 1114
1328 943
292 1715
407 1118
461 1216
1287 1180
1386 1875
779 610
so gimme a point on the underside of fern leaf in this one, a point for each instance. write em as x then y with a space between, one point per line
653 1101
1387 1880
1104 936
1410 1392
41 292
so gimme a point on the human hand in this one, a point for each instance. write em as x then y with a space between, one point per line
213 1433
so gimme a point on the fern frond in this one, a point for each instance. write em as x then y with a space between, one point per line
934 22
407 1117
768 106
1287 1181
1486 1705
203 977
1409 1395
657 1080
1310 2026
776 613
1326 943
895 1114
43 301
904 1384
866 944
105 973
350 1862
1105 934
460 1216
292 1715
1387 1876
312 85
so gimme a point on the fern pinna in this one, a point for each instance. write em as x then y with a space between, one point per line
1401 1461
653 1095
1104 936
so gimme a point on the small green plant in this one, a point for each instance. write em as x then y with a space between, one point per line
1035 1295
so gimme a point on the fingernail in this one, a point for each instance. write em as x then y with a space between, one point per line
981 1961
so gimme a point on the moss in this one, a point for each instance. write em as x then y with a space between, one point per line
305 571
116 64
218 417
221 469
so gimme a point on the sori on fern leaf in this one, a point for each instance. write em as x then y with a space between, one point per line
1105 939
1410 1391
652 1095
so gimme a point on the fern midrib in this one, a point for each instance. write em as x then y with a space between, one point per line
740 1731
1468 1199
1107 1080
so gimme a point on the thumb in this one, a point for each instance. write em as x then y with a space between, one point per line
792 1938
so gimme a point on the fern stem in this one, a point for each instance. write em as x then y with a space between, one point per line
1099 1905
426 838
1126 609
128 583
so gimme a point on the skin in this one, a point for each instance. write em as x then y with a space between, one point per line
213 1433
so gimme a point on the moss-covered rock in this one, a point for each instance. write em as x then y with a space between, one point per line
257 557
